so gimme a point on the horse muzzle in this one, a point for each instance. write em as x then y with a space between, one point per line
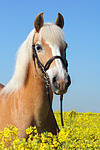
60 86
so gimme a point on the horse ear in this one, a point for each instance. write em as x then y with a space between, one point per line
38 23
60 21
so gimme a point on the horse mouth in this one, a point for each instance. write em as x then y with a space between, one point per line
57 92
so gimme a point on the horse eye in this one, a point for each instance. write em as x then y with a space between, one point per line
38 47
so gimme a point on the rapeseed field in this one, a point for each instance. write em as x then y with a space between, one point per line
81 131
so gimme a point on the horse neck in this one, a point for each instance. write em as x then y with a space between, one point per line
30 104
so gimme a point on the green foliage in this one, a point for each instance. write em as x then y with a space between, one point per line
81 132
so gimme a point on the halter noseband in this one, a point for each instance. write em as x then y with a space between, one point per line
43 69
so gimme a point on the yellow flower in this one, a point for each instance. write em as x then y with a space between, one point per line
29 130
81 131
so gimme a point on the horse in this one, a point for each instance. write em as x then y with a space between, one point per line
23 100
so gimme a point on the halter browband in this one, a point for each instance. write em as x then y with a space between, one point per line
43 69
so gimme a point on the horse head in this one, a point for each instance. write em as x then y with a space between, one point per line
49 43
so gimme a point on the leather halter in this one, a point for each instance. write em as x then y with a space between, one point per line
43 69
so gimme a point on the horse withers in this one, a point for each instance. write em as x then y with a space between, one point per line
23 101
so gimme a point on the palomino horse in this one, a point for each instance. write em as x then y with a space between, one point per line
23 101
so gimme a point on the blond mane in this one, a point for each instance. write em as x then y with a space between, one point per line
51 34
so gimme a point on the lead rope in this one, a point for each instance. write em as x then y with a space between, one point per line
46 78
61 112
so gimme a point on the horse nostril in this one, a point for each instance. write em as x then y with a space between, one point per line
68 83
69 80
54 81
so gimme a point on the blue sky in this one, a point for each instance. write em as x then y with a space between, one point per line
82 32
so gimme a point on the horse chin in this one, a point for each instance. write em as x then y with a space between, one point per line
58 92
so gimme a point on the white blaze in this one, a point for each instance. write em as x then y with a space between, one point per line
57 70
